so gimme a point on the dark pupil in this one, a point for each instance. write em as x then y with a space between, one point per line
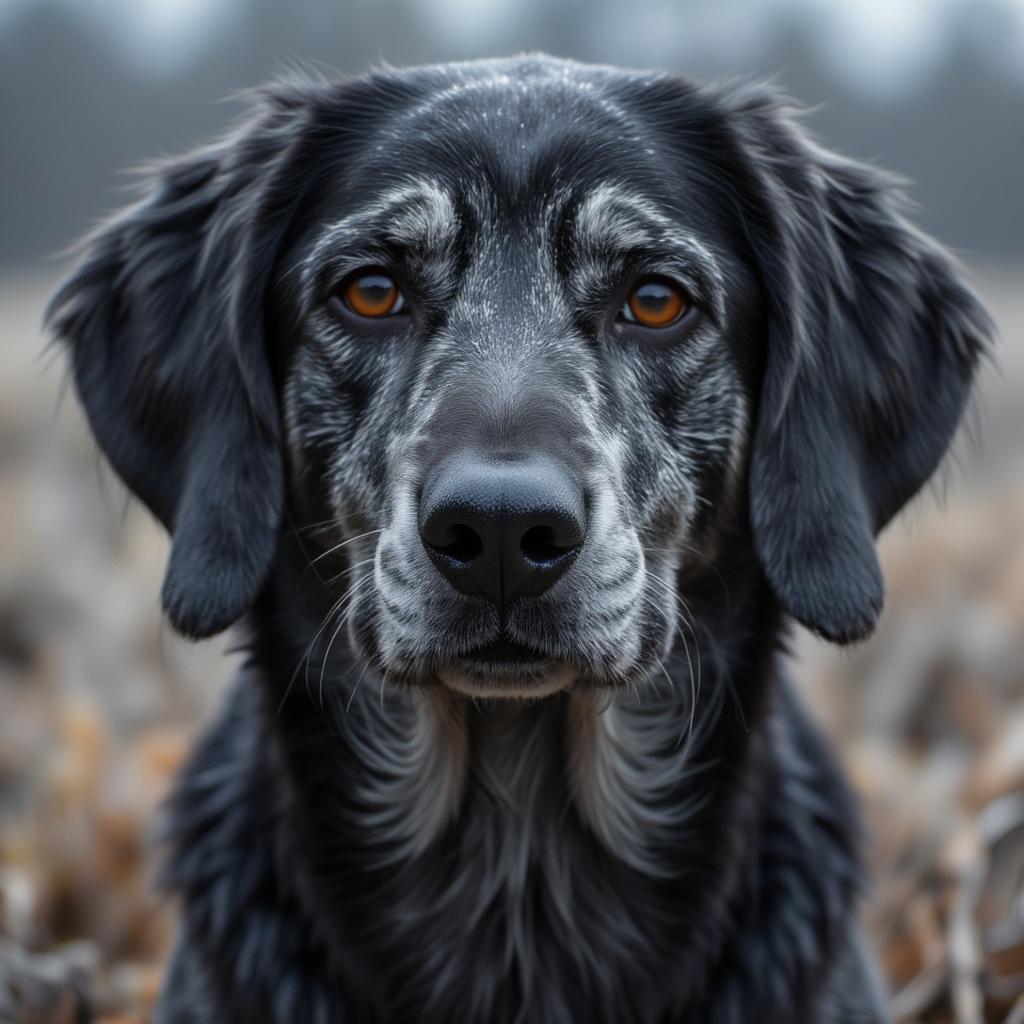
653 298
376 289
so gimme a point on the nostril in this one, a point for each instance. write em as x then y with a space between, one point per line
539 545
461 543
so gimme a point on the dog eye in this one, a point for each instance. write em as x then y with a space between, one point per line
655 302
373 295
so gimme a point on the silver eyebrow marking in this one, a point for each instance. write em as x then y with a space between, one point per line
427 218
612 219
418 214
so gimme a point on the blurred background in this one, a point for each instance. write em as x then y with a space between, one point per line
99 701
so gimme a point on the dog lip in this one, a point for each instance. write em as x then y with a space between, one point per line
504 668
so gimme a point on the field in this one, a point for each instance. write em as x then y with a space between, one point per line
99 702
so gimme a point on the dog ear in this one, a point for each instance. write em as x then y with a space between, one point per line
164 321
873 341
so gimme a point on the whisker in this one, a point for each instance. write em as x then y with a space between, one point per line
337 547
683 548
321 525
308 652
664 672
352 695
351 569
335 608
302 548
684 615
343 614
345 544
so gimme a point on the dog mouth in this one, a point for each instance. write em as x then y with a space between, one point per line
504 653
504 668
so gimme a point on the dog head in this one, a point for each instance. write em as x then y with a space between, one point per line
520 341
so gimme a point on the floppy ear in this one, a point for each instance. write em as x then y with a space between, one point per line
873 341
164 320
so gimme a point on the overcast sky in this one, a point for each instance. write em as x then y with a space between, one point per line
932 89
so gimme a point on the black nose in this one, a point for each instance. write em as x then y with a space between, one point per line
502 530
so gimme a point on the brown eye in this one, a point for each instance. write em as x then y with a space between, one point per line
373 295
655 303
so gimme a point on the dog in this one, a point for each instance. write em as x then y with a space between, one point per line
512 409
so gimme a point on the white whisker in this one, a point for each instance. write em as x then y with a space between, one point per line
343 615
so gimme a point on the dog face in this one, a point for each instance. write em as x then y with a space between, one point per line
546 405
521 343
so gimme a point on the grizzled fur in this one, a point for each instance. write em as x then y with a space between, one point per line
662 835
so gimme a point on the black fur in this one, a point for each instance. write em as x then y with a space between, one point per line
352 840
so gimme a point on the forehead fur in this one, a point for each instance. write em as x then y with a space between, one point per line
519 144
516 125
518 88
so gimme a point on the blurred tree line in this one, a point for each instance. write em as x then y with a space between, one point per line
74 112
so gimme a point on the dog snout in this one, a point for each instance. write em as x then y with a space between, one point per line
502 529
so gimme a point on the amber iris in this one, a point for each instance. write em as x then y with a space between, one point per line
655 304
372 295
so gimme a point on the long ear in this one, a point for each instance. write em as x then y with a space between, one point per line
164 320
873 341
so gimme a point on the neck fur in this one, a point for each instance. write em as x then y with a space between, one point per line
612 760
